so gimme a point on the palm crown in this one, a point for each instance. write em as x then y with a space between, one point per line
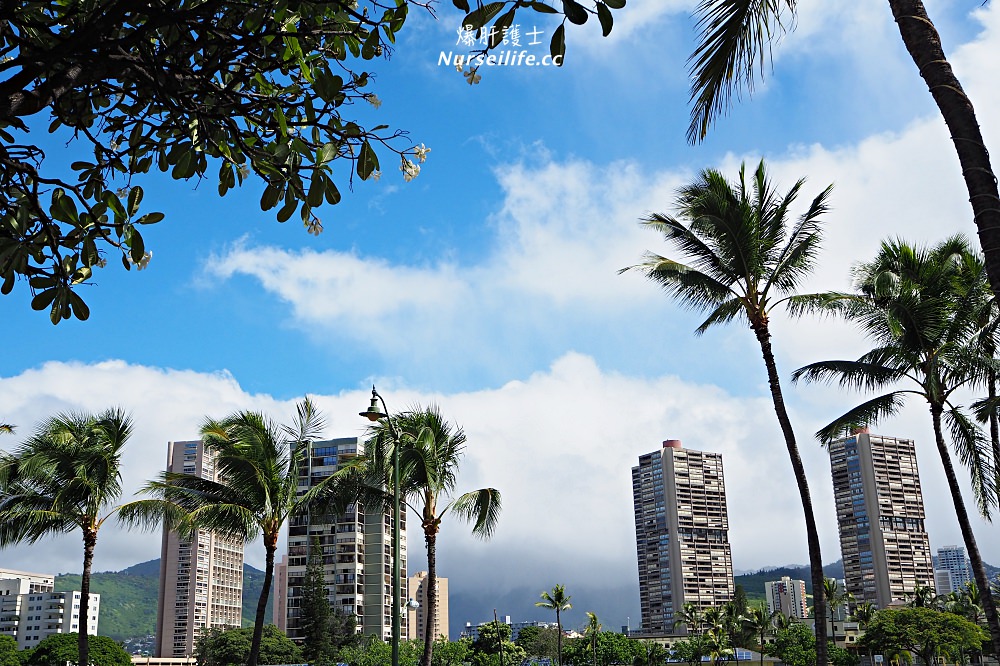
743 259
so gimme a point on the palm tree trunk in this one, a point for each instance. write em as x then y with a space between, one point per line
994 424
978 570
924 45
558 637
83 644
760 329
270 546
430 539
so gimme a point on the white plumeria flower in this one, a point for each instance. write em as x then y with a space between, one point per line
373 99
472 78
313 226
101 263
420 152
376 175
144 262
409 169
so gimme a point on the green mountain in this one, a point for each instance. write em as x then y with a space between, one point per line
128 598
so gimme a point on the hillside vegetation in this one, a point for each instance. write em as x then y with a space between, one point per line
128 598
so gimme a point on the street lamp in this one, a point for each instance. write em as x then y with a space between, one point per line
373 413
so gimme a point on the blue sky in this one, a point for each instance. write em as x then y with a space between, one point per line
489 285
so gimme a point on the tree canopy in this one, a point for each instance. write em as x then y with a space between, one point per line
223 90
923 631
59 649
231 647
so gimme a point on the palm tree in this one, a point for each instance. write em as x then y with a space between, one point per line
735 35
558 601
691 616
918 306
834 599
65 477
6 429
591 632
429 456
761 623
258 463
745 261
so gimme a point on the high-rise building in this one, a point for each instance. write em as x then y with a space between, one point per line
30 610
942 582
279 596
418 589
356 549
681 533
953 560
880 514
201 576
787 596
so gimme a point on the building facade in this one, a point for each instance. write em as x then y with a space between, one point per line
880 516
417 585
201 577
356 550
953 560
682 534
30 610
787 596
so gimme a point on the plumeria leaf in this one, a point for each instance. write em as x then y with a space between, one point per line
478 18
367 161
604 16
575 12
557 47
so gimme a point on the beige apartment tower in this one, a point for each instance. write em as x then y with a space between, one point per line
201 578
880 514
681 533
356 550
418 590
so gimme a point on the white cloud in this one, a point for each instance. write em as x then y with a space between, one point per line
559 444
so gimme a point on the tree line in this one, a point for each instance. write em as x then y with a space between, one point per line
67 477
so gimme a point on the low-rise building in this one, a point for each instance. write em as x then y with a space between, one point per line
30 609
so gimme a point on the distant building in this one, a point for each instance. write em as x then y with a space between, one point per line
880 515
942 582
681 534
953 560
279 601
787 596
418 589
472 630
356 550
30 610
201 577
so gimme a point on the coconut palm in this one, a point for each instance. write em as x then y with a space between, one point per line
835 597
691 616
558 601
429 456
745 259
591 631
65 477
258 463
6 429
736 35
761 622
914 304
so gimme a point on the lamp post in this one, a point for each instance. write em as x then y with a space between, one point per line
374 414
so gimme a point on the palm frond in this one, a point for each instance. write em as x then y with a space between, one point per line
865 414
148 514
480 507
823 304
694 289
734 38
974 449
723 314
849 374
